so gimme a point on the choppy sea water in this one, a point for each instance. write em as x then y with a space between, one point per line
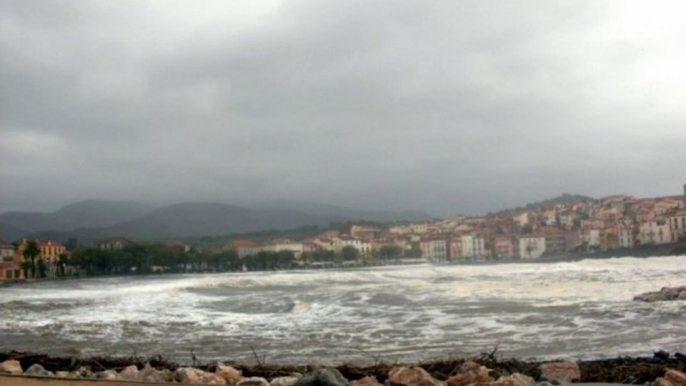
410 313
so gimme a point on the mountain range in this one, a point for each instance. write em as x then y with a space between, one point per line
92 219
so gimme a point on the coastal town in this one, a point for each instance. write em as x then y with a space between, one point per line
614 223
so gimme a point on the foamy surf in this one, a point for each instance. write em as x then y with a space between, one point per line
579 309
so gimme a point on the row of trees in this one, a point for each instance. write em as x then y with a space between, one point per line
148 258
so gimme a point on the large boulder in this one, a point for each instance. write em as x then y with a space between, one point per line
327 376
284 381
189 375
11 367
665 294
366 381
410 376
129 373
561 372
676 378
36 370
518 379
230 374
470 373
151 374
253 381
661 382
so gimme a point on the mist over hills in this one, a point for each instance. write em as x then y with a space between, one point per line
83 214
92 219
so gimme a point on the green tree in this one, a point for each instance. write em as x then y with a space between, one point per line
41 268
26 267
62 263
413 253
285 259
349 253
389 252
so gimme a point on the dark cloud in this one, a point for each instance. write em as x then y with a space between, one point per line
445 107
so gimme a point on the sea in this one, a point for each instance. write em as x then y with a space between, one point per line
580 310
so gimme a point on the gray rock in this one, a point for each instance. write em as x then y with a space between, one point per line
36 370
323 377
62 374
11 367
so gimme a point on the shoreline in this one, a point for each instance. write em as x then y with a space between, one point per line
541 260
627 370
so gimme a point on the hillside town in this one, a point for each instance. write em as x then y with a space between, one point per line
617 222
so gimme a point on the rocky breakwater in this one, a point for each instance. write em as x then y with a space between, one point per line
663 295
468 373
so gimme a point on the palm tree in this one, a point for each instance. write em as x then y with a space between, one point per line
31 252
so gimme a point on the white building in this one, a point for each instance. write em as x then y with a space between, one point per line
284 245
531 246
472 246
626 238
522 219
419 228
655 232
362 246
591 238
677 225
434 249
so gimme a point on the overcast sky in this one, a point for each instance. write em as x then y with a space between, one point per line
442 106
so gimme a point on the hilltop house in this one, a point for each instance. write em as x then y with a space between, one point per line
113 243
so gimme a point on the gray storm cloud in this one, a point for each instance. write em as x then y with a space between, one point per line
446 107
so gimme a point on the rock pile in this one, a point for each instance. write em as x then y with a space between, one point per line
665 294
469 373
671 378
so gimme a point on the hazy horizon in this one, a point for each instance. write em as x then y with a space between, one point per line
283 203
445 108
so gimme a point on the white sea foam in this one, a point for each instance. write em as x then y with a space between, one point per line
581 308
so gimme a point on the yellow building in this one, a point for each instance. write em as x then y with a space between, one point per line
10 262
49 251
